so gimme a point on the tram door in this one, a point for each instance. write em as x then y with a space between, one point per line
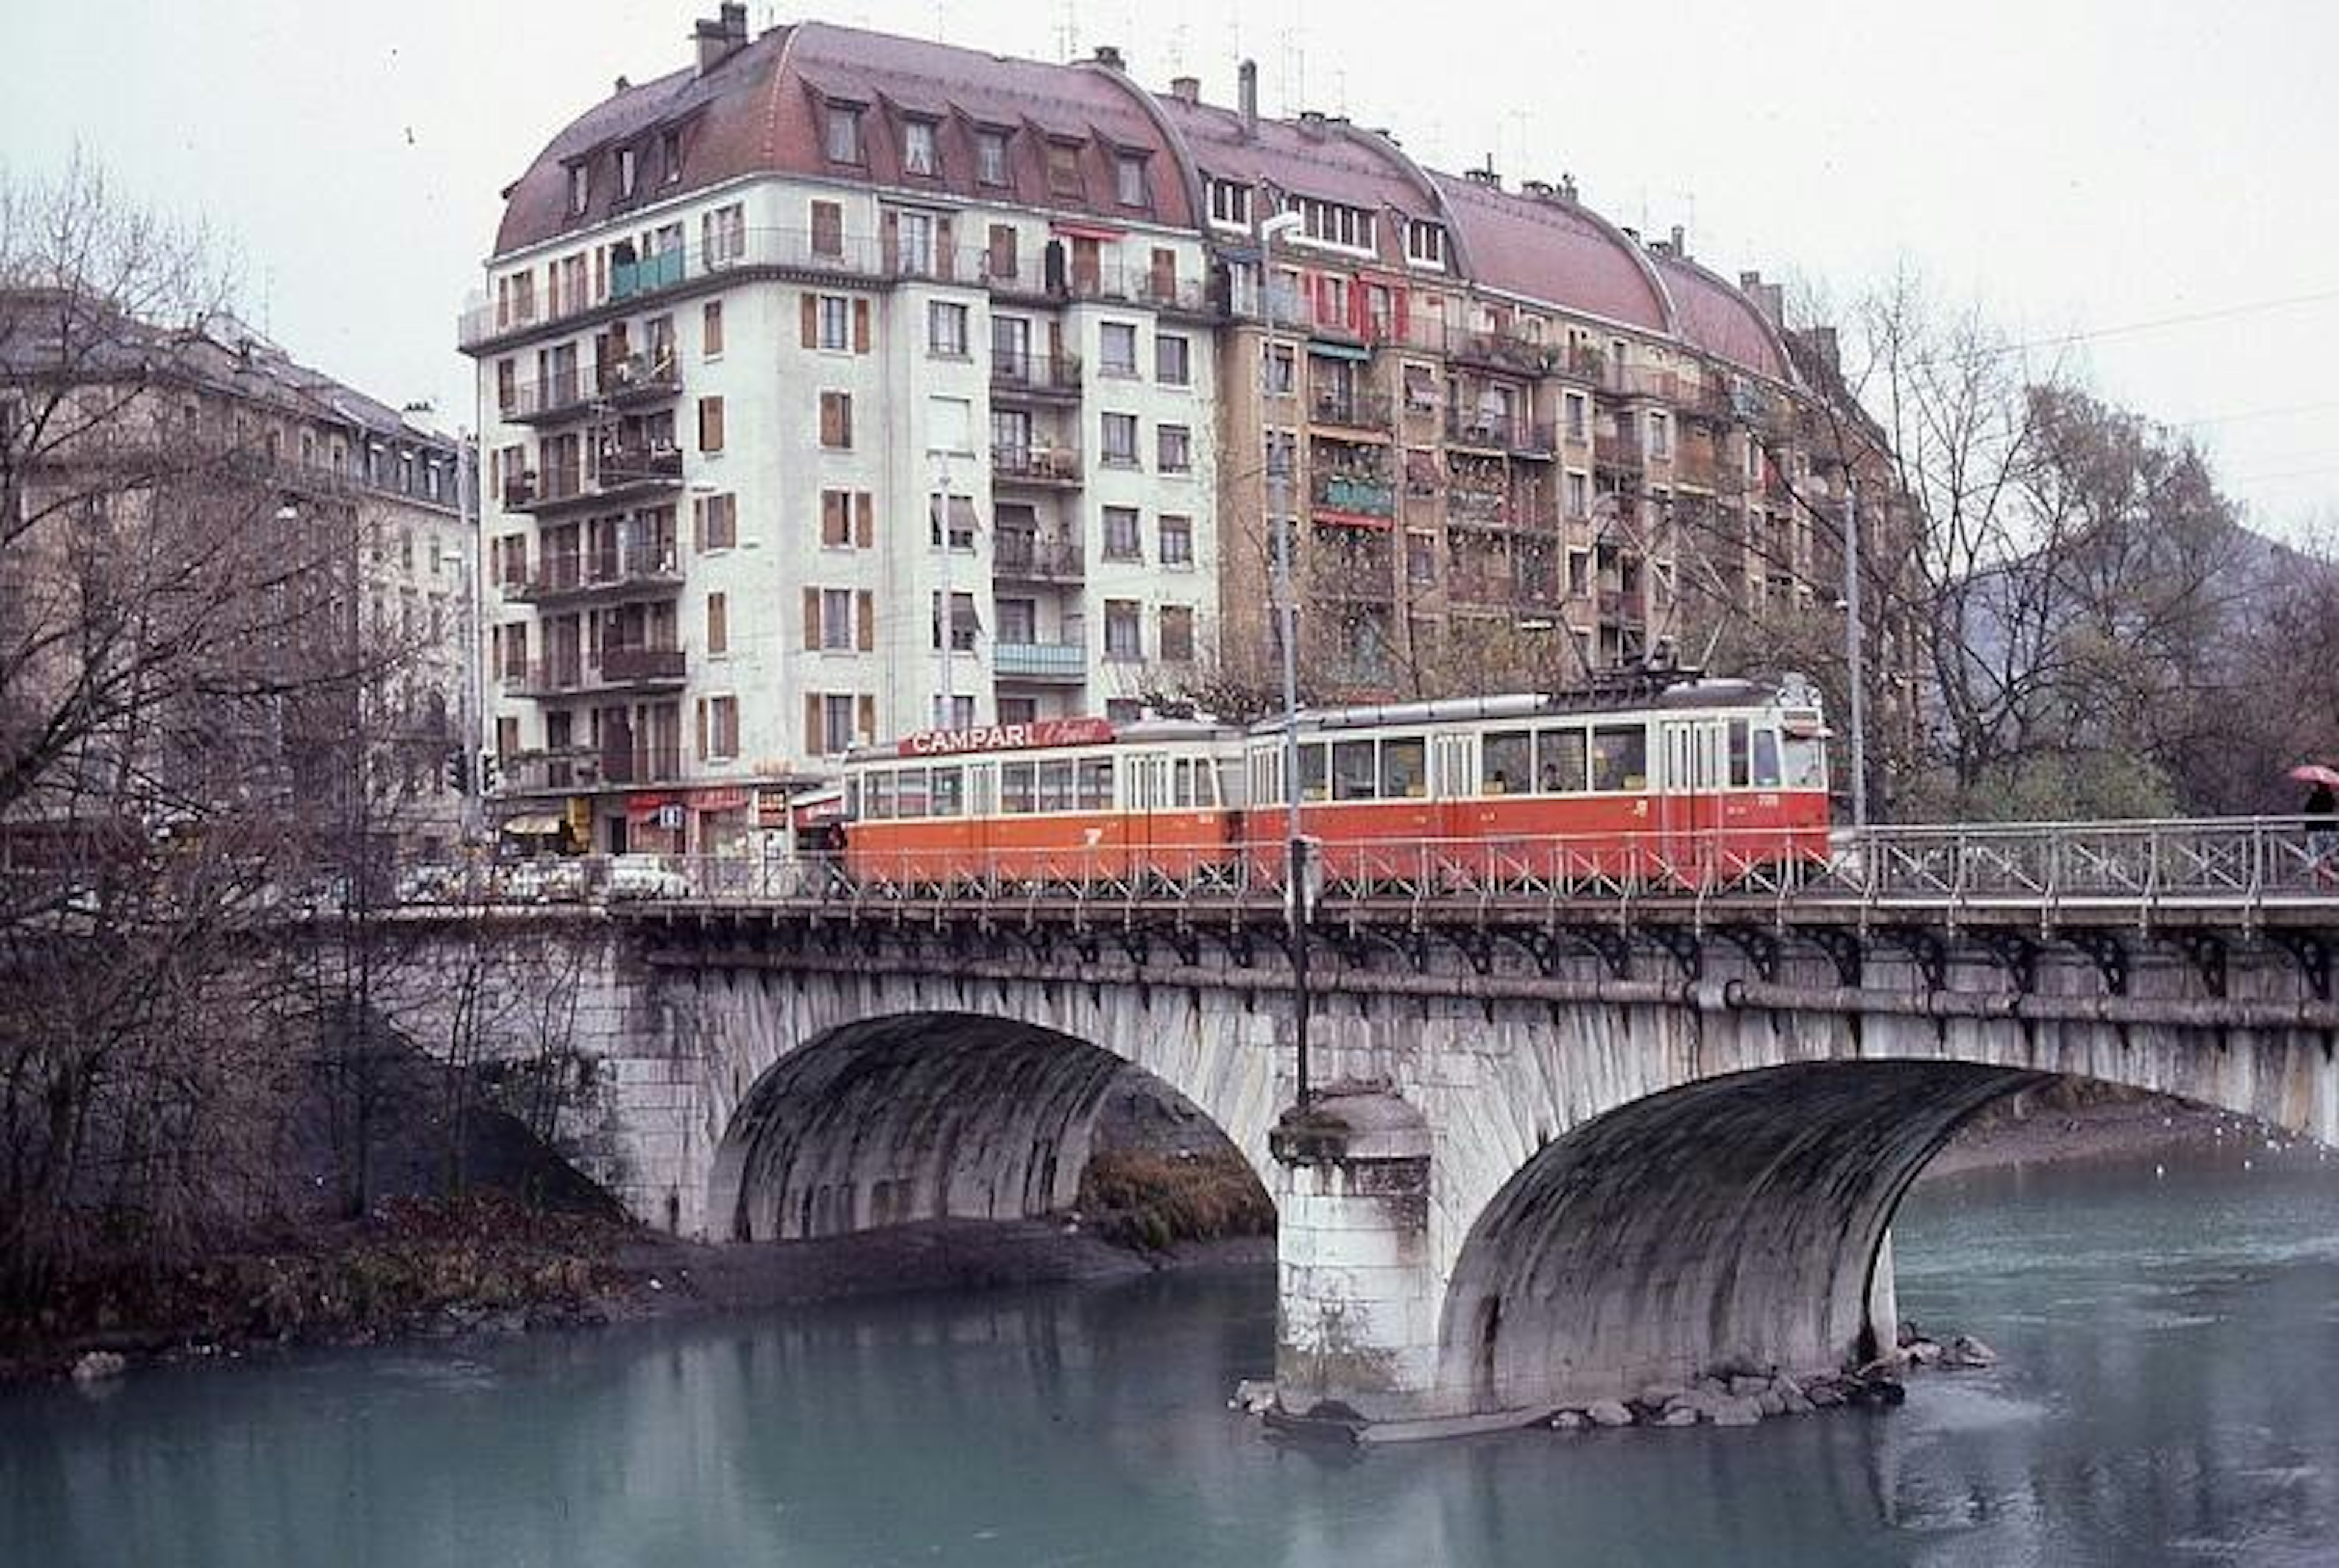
1145 796
1689 803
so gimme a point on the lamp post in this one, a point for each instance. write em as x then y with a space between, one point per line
1278 507
948 703
1855 673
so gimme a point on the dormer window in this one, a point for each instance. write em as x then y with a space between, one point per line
670 155
1230 204
628 171
580 188
842 134
918 154
1063 168
991 157
1128 179
1424 242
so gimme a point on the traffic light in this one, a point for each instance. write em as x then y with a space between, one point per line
491 772
457 770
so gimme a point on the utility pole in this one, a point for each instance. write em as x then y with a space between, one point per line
1279 507
1856 672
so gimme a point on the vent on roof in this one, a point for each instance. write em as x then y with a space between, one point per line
1486 176
1567 187
1186 89
1109 57
1541 189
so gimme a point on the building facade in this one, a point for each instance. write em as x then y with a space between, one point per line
841 384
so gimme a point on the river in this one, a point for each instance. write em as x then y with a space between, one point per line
2169 1393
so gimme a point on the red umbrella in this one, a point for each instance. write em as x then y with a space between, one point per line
2315 774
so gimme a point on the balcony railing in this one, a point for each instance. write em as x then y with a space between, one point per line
615 668
1039 661
1017 554
1035 465
622 470
1355 493
1356 410
1620 452
1483 508
1483 428
601 571
636 377
1040 375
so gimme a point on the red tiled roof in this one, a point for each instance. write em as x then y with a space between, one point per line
1555 251
1718 319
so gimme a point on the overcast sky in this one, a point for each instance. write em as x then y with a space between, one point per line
2154 175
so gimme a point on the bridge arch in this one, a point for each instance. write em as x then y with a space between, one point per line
927 1115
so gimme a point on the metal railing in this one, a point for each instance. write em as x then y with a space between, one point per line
2088 872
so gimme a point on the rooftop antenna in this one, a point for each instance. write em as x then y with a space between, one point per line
1068 31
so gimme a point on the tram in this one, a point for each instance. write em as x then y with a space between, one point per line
1691 782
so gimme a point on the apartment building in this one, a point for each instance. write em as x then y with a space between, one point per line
841 384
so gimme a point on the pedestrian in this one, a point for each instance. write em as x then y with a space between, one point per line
2321 813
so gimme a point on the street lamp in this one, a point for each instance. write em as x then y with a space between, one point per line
1278 505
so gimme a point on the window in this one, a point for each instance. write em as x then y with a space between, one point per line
830 319
1579 574
1660 435
828 228
1174 359
1279 371
847 519
961 523
918 154
628 169
710 329
1579 494
843 139
1559 762
835 606
710 424
1420 557
1177 536
1503 762
1124 633
1174 450
950 426
991 157
1405 769
945 330
836 420
1230 204
1117 348
1424 242
1128 179
1178 632
1019 710
1334 223
1579 417
719 727
580 188
723 236
963 624
1019 621
718 624
999 260
835 719
670 155
1063 168
1121 536
714 521
914 244
1120 440
1620 757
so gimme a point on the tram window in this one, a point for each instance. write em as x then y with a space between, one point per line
851 799
1559 762
1315 768
1231 786
1352 770
880 794
1620 757
1055 786
910 792
1766 759
1806 759
1404 768
1017 793
1738 758
1181 783
1094 778
948 797
1505 764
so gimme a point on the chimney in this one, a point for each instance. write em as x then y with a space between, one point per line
1541 189
1823 344
1186 89
1681 241
1247 78
1567 187
1486 176
1771 298
1311 123
719 38
1109 57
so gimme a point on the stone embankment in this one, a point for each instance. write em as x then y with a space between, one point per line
1746 1396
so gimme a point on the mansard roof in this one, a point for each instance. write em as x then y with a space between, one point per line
1717 318
1555 251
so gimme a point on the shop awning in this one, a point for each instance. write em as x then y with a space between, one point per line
533 824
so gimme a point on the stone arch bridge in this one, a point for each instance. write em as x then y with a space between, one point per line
1560 1147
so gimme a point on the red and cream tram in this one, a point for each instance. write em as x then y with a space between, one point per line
1700 782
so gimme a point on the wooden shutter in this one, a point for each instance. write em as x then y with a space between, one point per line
814 741
945 252
703 752
1360 310
867 712
889 238
864 619
718 624
828 427
865 520
1399 324
811 320
812 617
698 525
860 326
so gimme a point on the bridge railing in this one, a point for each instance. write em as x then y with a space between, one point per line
2241 861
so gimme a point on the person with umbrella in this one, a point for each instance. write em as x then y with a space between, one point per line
2321 813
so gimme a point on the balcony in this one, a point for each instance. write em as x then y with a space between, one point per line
1617 453
1354 411
1027 558
1048 376
1621 606
1359 493
1476 509
1046 468
639 669
1057 662
602 573
579 769
625 471
636 378
1481 429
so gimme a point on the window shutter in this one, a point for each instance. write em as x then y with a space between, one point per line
811 320
1359 310
866 710
865 630
814 741
703 752
699 524
864 521
1399 322
945 254
860 326
812 617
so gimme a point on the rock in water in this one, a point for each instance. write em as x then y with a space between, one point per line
1253 1396
97 1366
1965 1350
1735 1411
1608 1413
1679 1416
1569 1421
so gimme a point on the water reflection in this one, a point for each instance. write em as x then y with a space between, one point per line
2168 1394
